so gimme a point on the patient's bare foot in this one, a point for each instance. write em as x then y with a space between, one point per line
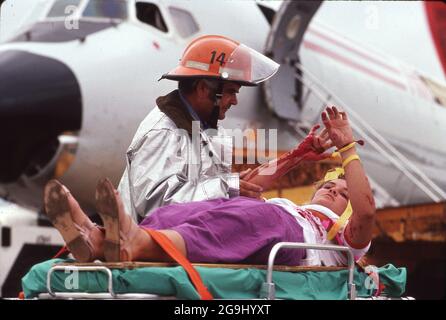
83 237
123 237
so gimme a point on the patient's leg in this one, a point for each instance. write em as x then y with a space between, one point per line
83 238
124 239
148 250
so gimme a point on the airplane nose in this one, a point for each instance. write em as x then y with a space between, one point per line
39 99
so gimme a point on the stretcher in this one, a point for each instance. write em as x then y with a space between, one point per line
64 279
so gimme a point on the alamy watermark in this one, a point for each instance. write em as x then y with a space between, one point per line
260 146
71 21
372 280
372 19
72 280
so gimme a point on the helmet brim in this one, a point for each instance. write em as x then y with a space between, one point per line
177 77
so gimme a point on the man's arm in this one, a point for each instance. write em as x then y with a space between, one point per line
159 174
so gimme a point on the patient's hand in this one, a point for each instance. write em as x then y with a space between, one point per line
313 146
338 127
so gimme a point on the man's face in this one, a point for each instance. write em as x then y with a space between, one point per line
333 195
229 98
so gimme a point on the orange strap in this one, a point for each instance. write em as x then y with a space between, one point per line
63 250
167 245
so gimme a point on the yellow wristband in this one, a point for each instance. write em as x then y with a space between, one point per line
337 153
350 159
347 147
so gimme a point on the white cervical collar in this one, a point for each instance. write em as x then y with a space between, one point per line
324 210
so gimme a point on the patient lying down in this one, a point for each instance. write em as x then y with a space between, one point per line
236 230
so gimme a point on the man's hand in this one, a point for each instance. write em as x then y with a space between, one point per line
338 127
248 189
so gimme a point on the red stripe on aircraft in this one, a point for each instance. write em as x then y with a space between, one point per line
359 53
346 61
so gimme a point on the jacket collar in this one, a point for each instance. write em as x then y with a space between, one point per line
175 109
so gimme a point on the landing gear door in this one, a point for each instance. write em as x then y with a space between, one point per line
283 91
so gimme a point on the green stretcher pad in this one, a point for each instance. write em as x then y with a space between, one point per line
223 283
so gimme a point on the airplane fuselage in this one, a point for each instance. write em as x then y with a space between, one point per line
117 69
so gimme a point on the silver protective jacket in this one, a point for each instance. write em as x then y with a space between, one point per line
171 160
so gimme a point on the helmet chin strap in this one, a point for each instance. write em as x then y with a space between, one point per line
216 96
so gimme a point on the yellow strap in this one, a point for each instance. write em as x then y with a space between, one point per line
340 222
333 174
347 147
350 159
337 153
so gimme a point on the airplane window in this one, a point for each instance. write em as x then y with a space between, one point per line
150 14
116 9
184 22
63 8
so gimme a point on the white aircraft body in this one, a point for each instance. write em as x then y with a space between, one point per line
76 83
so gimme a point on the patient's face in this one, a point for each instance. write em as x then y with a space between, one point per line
333 195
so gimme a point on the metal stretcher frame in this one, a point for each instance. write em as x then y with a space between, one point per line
267 291
268 288
82 295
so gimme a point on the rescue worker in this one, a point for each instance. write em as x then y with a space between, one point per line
164 164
